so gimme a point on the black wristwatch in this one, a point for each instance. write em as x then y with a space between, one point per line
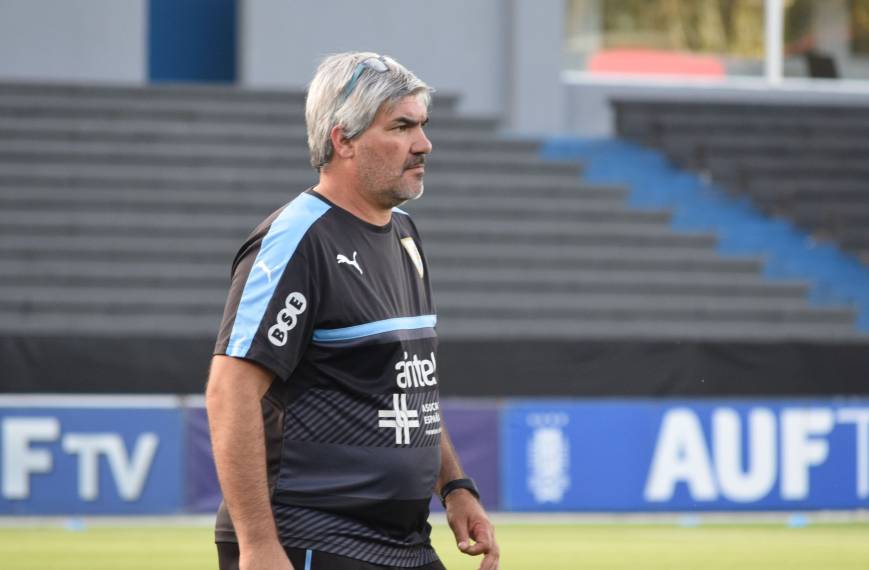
459 484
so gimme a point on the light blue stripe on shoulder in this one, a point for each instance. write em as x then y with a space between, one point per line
376 327
278 246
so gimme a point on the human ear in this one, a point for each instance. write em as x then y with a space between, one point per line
344 147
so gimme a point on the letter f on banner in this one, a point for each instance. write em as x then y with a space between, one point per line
19 460
800 451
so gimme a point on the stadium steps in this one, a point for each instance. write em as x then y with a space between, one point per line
829 215
250 156
653 120
696 311
805 191
161 132
738 145
453 326
55 220
447 277
112 299
228 114
855 167
773 162
122 208
804 163
521 257
451 199
247 177
25 99
462 326
787 252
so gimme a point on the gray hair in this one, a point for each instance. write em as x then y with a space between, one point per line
326 107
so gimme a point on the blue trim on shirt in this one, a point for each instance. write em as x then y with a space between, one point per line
382 338
278 247
308 555
376 327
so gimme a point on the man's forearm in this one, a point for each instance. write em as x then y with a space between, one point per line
451 468
465 513
235 390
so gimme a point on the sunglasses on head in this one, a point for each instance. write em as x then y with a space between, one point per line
377 64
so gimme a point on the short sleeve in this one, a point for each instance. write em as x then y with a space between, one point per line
272 303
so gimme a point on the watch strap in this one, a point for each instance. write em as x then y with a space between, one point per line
466 483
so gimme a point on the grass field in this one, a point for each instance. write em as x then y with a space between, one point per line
525 546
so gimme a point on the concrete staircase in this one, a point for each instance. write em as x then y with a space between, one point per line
121 210
808 164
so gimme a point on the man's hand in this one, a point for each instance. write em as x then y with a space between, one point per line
468 520
266 556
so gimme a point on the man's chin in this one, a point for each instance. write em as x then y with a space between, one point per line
407 194
419 192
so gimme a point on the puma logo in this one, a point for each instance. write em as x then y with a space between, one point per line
262 265
344 259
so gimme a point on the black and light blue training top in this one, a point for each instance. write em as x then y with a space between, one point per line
340 311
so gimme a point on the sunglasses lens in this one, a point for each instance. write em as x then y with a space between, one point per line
376 64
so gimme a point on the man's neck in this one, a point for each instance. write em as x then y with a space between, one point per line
353 200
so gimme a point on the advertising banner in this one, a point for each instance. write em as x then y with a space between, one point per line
93 457
473 426
202 490
677 455
152 455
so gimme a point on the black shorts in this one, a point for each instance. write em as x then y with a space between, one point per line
227 558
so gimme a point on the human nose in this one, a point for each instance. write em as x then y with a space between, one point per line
422 145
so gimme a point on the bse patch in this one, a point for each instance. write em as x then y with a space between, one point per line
413 252
287 318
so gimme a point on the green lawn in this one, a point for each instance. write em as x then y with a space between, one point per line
533 547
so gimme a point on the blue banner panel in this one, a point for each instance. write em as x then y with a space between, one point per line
102 460
679 455
473 426
203 489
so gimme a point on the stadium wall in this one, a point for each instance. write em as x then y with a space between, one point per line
504 58
281 43
86 40
471 368
125 455
275 44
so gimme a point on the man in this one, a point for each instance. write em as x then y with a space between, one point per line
323 392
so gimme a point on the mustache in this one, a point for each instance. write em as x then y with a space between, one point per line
413 163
